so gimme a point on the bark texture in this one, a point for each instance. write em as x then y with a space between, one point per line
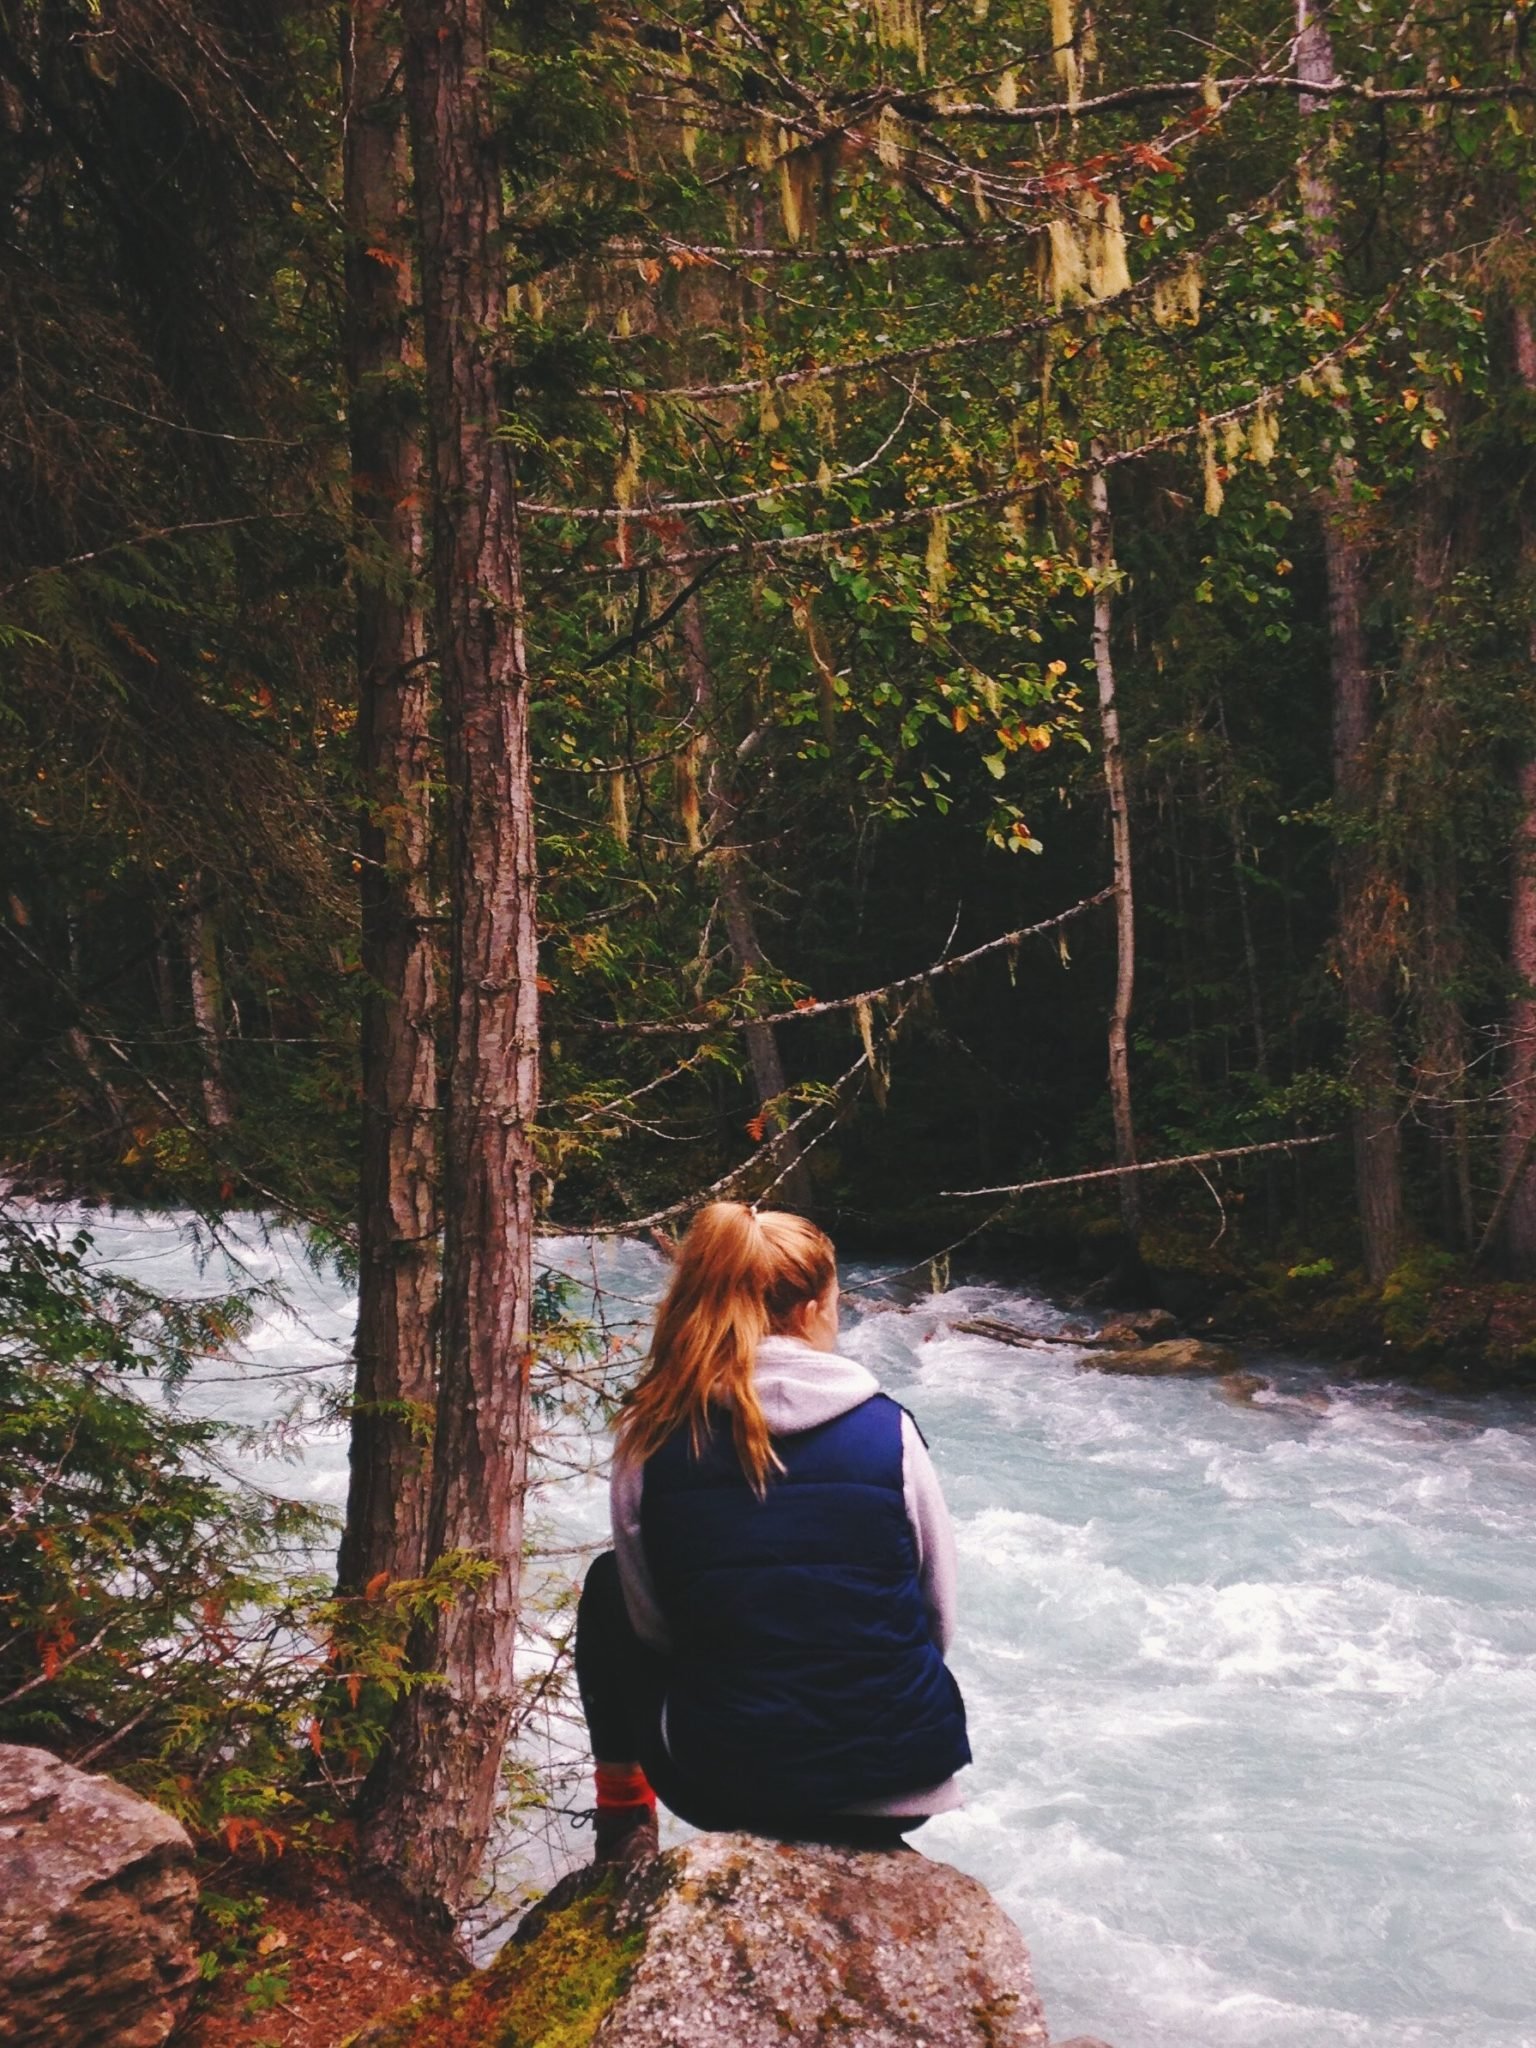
207 991
395 1349
438 1784
1517 1199
1102 547
1368 903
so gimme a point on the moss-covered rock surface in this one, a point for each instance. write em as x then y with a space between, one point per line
735 1942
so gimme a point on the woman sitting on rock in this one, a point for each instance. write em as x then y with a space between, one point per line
764 1645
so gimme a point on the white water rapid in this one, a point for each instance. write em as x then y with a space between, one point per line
1252 1687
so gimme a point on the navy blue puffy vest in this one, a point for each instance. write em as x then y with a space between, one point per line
804 1679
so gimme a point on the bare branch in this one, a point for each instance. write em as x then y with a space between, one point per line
1072 1180
694 1028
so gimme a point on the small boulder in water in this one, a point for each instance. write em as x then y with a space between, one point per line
1142 1326
1157 1361
1242 1386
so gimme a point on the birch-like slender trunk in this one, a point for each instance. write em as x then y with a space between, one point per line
207 990
1517 1152
725 859
1365 898
437 1786
1105 576
395 1348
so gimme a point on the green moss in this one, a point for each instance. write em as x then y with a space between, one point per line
552 1992
556 1992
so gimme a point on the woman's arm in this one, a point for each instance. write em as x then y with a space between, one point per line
933 1531
625 1489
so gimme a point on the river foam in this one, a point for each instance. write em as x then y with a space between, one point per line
1252 1687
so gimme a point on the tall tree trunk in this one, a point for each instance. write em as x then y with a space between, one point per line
207 990
1105 576
438 1781
395 1348
747 955
1517 1150
1365 897
1424 745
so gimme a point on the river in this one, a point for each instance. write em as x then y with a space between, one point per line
1252 1686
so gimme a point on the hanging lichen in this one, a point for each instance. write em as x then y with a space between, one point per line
1087 250
899 25
979 198
1064 50
768 421
1006 90
936 558
625 484
1234 439
618 807
1068 279
824 475
688 795
864 1018
1108 271
1215 495
1088 39
1264 434
763 143
890 136
1176 299
799 175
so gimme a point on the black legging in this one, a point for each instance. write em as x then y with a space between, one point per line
623 1684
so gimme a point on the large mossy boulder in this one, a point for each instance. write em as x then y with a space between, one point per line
96 1898
735 1942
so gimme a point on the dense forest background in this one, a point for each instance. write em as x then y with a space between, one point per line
846 604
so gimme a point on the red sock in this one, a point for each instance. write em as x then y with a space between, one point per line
623 1787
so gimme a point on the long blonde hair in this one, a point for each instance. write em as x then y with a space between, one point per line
740 1273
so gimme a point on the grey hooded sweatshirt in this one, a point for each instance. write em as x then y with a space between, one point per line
800 1387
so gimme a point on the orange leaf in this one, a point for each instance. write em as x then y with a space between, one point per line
755 1128
375 1585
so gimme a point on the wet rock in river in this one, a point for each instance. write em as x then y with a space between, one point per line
1178 1355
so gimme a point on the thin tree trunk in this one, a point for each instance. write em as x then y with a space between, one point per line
207 1007
439 1779
1424 747
747 955
1518 1139
1365 907
1105 575
395 1346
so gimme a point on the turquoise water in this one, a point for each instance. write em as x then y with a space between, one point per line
1252 1687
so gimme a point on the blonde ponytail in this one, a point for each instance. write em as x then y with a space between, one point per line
739 1274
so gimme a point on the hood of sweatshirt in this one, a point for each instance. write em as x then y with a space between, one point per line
800 1387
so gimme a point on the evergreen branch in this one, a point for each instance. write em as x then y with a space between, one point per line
140 540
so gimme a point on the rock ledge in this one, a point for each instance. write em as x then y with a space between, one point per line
734 1942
